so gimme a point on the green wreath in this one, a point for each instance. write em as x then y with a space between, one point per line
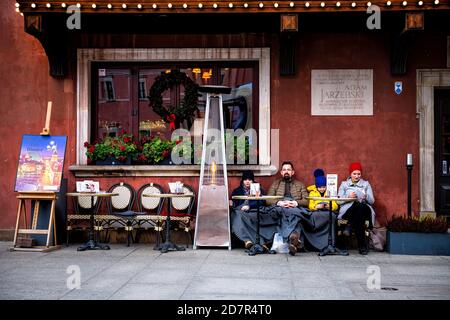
188 106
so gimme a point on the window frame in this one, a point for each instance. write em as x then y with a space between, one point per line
84 85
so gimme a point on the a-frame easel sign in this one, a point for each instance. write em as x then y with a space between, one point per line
38 181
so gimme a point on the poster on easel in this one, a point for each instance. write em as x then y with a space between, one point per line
41 162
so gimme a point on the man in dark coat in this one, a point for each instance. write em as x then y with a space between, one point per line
243 216
291 208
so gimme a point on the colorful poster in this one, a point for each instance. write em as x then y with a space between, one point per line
41 162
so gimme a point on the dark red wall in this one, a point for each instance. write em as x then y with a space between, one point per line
380 142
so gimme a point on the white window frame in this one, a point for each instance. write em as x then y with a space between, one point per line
85 58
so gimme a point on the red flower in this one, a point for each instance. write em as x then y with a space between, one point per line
165 153
126 139
86 144
122 148
91 149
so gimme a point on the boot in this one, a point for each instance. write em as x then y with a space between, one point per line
294 243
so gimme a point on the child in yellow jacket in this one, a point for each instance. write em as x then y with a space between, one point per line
319 190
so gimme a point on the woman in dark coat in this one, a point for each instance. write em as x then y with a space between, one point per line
243 216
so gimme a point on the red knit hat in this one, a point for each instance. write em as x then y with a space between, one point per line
355 166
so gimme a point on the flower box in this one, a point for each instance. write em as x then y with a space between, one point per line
415 243
113 161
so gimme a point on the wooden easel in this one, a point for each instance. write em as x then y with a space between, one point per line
35 197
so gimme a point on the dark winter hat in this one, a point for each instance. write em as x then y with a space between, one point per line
354 166
248 175
321 181
319 172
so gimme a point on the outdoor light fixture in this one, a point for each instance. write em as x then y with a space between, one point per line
169 5
48 5
78 5
338 4
245 5
17 10
388 3
33 5
261 5
404 3
289 22
436 2
420 3
63 5
275 5
322 4
369 4
94 6
185 5
291 4
215 5
230 5
353 4
109 6
414 21
17 5
307 4
139 6
124 5
200 5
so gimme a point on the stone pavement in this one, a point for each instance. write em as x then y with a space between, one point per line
138 272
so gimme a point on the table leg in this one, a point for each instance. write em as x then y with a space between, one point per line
92 244
331 249
256 248
168 245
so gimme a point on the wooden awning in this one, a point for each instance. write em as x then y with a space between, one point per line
225 6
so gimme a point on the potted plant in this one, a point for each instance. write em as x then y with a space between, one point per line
156 150
112 150
418 235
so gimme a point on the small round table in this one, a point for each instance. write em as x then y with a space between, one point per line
92 244
256 248
331 249
168 245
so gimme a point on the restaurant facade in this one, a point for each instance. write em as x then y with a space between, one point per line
323 83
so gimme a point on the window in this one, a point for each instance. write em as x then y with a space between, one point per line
87 58
121 103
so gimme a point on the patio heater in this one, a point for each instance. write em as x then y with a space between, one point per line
212 226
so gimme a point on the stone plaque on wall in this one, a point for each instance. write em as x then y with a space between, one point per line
342 92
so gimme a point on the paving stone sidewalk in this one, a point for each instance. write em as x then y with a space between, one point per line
139 272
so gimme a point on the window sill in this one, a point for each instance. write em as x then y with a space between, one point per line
163 170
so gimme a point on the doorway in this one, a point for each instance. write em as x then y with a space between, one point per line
442 151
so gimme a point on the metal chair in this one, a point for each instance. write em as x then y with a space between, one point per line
183 211
120 213
80 220
149 210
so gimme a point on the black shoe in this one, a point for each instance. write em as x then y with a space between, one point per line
363 251
272 252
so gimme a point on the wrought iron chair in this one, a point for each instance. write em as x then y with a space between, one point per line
120 213
80 220
346 243
182 212
149 210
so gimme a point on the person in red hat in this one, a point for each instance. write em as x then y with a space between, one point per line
359 211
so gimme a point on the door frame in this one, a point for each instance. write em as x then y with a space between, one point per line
427 81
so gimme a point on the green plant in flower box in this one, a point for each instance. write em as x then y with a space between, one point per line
120 148
156 149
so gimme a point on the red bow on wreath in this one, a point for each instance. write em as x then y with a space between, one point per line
171 118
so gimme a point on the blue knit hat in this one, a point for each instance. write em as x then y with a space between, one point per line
321 181
319 172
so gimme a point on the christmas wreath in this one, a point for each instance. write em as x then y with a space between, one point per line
188 106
